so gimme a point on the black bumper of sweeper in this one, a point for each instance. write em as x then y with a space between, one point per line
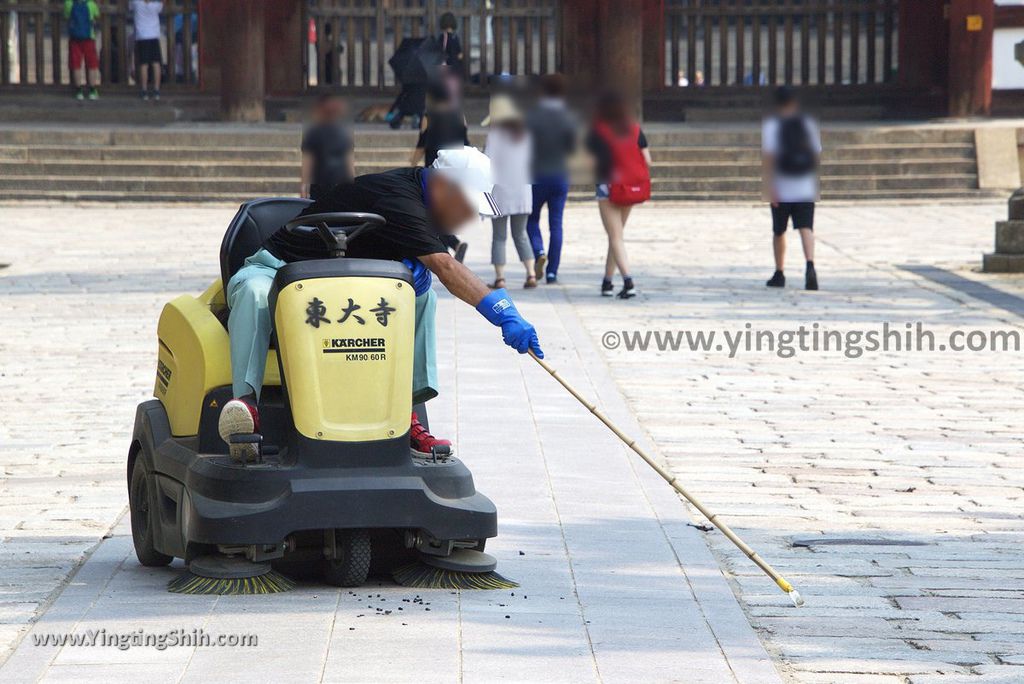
311 485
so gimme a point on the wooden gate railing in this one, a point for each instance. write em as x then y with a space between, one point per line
34 49
355 38
769 42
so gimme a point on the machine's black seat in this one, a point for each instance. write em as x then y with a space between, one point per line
255 221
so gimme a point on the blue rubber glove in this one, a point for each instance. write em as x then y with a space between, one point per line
421 277
517 333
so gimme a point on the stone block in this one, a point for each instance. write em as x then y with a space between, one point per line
1016 205
1010 237
1003 263
998 164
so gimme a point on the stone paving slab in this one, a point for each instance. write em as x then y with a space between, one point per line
918 448
617 586
921 448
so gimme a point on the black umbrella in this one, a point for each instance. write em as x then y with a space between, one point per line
415 60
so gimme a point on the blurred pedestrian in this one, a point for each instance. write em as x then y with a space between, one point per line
451 46
510 150
327 149
83 60
443 128
148 55
553 129
193 47
791 151
622 163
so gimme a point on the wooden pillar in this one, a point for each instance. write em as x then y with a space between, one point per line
970 57
923 45
243 60
578 24
232 56
620 55
284 45
654 45
613 44
211 28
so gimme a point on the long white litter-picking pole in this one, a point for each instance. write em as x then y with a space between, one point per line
672 480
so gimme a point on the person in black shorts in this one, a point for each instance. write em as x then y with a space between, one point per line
327 147
791 150
148 56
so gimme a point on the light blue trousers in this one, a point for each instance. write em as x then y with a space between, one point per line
249 325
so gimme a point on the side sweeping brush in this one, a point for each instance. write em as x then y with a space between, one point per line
463 569
227 575
781 581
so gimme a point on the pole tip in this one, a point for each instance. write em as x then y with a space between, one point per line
796 598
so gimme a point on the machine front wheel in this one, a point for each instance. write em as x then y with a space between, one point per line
140 501
352 566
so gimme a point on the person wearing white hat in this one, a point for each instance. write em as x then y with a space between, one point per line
510 149
419 206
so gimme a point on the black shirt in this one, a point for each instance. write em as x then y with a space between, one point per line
598 147
330 144
451 48
445 129
396 195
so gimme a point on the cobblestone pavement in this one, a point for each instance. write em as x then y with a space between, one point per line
597 544
888 488
78 311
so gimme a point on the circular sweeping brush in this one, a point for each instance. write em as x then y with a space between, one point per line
463 569
225 575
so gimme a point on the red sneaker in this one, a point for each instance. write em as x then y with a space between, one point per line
239 418
424 444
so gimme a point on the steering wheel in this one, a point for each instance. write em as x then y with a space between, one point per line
335 228
336 223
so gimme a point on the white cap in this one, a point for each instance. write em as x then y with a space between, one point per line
470 169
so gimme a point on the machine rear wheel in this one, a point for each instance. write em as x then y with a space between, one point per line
140 501
352 566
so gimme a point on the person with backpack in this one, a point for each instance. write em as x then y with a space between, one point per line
83 60
622 163
791 151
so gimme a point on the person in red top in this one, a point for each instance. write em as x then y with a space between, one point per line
622 162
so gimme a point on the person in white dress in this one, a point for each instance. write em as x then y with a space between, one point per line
510 150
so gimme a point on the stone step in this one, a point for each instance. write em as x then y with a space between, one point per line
830 137
120 153
278 169
752 113
839 153
113 194
398 156
191 136
217 161
288 136
828 168
942 194
187 186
